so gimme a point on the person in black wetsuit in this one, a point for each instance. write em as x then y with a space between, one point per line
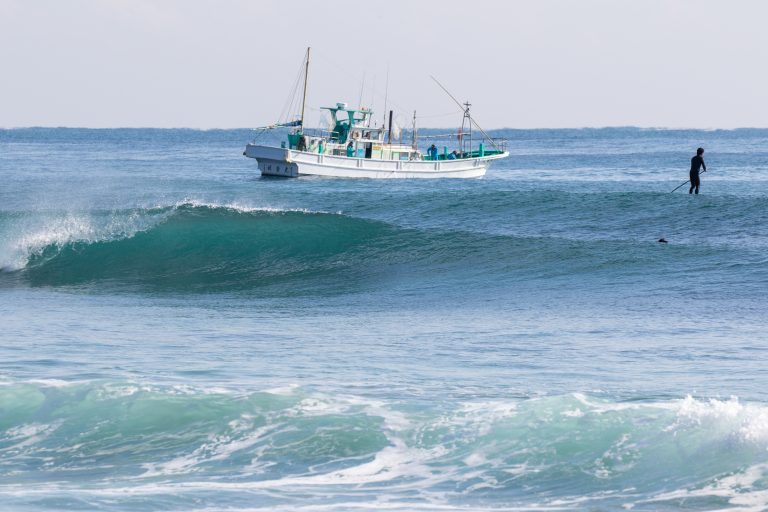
697 163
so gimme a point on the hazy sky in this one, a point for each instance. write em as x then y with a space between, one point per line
526 63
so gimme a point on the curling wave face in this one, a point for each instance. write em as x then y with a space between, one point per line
191 246
188 246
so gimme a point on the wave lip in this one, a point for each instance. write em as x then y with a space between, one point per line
189 245
54 234
53 231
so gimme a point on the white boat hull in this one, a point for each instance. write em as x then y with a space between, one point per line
290 163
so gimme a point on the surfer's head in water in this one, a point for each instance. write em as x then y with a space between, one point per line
700 151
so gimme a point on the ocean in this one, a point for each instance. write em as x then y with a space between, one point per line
180 334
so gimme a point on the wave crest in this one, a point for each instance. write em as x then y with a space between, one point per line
189 245
202 247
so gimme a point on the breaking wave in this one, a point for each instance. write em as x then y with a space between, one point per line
208 247
568 451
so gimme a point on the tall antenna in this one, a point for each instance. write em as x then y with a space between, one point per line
362 87
370 104
304 99
468 117
386 92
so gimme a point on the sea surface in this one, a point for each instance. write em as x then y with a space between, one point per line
179 334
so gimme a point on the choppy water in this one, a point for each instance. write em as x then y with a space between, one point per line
181 334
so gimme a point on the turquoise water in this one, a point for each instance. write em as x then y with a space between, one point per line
180 334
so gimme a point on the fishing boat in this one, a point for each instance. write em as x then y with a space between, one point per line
354 147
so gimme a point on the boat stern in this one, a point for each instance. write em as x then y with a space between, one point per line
272 161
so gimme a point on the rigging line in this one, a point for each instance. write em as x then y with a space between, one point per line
471 119
342 71
287 108
294 87
437 115
345 70
439 136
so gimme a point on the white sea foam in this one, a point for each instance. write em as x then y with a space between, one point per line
739 489
479 416
26 435
747 423
55 383
427 453
602 406
32 240
219 447
288 390
29 237
245 208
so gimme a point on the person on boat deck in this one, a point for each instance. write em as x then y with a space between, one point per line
453 155
432 152
350 149
697 162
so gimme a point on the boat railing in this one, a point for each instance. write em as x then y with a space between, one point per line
500 143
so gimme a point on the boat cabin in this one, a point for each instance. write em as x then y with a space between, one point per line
352 136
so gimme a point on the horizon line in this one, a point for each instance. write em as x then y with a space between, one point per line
604 127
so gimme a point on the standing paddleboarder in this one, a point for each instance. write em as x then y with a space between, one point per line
697 163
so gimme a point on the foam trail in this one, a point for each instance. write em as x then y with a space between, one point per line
275 447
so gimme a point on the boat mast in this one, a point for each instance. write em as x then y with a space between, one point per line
304 99
468 118
471 119
413 141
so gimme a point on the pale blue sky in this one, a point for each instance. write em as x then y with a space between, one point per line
526 63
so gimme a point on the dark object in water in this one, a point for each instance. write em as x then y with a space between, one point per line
663 241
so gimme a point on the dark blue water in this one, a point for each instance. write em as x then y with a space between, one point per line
179 333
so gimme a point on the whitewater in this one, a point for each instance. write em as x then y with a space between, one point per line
181 334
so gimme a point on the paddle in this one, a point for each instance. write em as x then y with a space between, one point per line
686 181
